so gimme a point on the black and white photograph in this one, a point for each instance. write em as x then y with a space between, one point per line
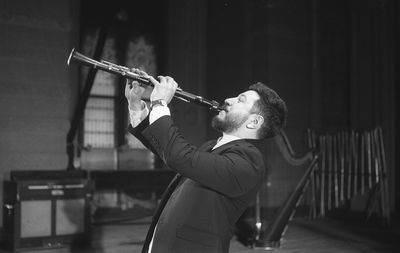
199 126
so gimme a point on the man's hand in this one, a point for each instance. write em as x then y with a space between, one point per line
133 93
163 89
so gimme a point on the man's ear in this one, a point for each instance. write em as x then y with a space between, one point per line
255 122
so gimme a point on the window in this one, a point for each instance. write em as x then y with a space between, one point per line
100 117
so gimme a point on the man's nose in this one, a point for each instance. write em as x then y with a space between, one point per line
229 101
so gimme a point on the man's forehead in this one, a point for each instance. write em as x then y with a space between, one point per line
251 94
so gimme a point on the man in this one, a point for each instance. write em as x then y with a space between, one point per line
215 182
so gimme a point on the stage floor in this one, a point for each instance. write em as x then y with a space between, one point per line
317 236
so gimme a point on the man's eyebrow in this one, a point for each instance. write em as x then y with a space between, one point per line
242 95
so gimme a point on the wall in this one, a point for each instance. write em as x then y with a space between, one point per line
36 96
331 61
356 75
266 41
186 63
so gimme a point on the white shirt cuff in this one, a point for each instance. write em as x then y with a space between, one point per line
157 112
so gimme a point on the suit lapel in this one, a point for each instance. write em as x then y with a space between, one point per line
164 199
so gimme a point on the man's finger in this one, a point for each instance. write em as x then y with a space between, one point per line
128 83
162 79
153 80
127 87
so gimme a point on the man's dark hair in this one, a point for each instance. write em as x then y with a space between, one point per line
271 107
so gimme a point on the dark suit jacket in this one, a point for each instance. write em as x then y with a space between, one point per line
214 189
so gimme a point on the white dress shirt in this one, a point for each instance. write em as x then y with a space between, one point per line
138 116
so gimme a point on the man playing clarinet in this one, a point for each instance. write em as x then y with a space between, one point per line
215 182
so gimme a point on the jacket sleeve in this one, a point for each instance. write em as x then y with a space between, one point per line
233 172
137 132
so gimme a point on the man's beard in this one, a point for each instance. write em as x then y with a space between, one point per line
230 123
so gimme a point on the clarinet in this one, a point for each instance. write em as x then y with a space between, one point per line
141 77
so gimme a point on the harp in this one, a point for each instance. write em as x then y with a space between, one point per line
263 225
